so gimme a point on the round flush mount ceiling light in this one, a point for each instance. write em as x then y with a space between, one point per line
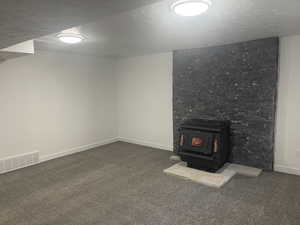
191 7
70 38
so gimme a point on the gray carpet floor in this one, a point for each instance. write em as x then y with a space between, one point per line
122 184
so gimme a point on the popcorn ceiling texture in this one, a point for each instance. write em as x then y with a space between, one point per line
236 82
30 19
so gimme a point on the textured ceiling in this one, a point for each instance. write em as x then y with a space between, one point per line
22 20
154 28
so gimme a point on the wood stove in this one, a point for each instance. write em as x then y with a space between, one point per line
204 144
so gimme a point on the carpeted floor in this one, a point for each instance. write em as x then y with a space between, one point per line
122 184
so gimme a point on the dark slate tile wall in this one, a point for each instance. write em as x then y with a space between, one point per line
236 82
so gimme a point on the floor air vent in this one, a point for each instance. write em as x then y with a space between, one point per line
17 162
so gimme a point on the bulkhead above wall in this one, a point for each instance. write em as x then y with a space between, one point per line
15 51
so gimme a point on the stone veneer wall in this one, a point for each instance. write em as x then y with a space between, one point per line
236 82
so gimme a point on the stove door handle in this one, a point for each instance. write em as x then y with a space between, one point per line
215 145
181 140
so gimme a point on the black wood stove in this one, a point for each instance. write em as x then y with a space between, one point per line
204 144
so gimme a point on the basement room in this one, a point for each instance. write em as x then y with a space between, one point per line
149 112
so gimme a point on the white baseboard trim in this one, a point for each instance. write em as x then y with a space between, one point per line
145 143
286 169
77 149
95 145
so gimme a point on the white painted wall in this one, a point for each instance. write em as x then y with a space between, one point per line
53 103
57 102
145 100
287 153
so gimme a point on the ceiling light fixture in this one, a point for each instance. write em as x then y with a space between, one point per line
70 38
191 7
